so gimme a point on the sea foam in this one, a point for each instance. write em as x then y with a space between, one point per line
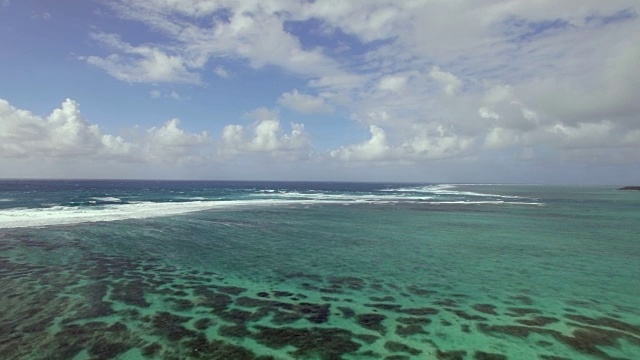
65 215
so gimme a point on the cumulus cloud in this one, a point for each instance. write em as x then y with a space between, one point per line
142 63
430 79
221 71
425 144
66 134
170 142
393 83
449 82
376 148
265 135
304 103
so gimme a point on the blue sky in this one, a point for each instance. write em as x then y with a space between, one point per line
467 91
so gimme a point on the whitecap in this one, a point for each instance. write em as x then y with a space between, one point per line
107 198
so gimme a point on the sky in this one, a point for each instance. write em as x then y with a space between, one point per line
475 91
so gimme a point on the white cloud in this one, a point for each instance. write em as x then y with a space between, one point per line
141 63
157 94
265 135
449 82
221 71
376 148
582 135
499 138
426 144
487 113
65 134
169 142
498 93
431 79
393 83
303 103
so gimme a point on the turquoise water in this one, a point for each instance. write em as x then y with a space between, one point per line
174 270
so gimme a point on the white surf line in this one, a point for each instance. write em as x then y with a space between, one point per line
446 189
67 215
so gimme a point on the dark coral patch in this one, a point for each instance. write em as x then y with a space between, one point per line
588 341
107 350
236 316
278 293
538 321
481 355
285 317
388 307
414 320
516 312
331 289
368 354
239 331
463 314
231 290
130 293
117 327
511 330
372 322
199 347
346 312
180 304
249 302
419 311
451 355
262 294
523 299
485 308
151 349
169 326
203 323
376 286
315 313
210 299
350 282
382 299
394 346
420 292
326 343
410 330
446 302
369 339
606 322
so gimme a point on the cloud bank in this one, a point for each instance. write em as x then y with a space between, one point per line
508 81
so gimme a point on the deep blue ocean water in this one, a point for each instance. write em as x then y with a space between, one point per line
245 270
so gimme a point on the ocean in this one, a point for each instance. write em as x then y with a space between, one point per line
305 270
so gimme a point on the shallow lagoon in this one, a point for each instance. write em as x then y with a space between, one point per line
551 273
